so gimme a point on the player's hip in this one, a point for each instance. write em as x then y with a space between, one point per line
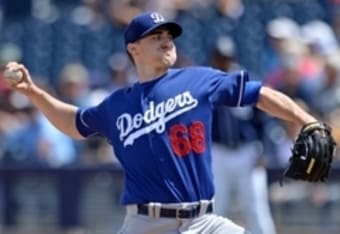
196 217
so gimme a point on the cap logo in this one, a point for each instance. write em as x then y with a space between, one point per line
157 18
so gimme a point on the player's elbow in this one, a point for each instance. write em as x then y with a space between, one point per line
265 94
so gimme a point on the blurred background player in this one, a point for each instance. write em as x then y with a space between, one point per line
236 153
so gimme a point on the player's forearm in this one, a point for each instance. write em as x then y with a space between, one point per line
60 114
283 107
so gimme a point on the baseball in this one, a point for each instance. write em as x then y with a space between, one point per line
12 76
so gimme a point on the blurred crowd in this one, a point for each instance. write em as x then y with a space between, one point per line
74 49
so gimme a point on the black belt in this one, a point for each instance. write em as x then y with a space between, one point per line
180 213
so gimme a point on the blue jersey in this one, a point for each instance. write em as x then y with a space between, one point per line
161 131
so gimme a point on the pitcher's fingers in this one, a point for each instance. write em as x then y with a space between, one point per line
12 66
22 68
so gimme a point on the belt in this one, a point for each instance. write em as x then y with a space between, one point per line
178 213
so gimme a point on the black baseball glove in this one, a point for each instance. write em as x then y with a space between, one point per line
312 154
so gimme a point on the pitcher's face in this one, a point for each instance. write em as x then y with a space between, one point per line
157 49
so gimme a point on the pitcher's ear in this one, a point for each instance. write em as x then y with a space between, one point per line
131 48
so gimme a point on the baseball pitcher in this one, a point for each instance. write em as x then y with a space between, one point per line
160 129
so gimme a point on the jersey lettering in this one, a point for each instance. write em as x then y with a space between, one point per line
197 136
131 127
185 139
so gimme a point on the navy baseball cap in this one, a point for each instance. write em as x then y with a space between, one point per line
145 23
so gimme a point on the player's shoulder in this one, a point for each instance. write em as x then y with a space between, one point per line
119 93
204 73
195 69
199 72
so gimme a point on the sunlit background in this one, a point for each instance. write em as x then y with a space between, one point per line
74 49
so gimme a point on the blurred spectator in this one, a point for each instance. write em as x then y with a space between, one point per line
321 42
320 37
8 124
74 88
280 30
120 72
98 38
288 76
9 52
230 8
335 21
74 84
35 142
121 12
224 54
328 98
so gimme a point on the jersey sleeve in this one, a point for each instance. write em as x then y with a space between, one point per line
83 124
90 121
233 89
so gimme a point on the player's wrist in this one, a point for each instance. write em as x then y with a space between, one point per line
308 120
33 91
